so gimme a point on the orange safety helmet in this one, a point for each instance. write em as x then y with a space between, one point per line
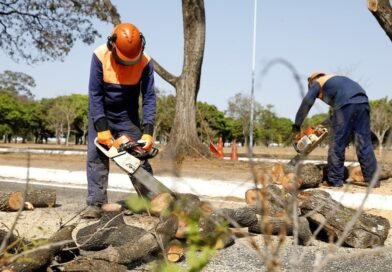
126 43
314 76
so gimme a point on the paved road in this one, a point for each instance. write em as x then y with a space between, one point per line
239 257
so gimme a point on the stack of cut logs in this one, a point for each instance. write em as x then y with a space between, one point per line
111 244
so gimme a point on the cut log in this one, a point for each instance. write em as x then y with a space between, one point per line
39 259
175 251
206 208
112 207
146 244
111 229
186 208
11 201
161 203
214 231
311 176
291 181
86 264
41 198
283 226
368 231
241 217
252 196
277 171
385 172
277 201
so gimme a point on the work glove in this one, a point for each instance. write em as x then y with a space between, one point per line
147 140
105 138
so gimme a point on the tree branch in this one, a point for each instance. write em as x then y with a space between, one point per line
162 72
381 9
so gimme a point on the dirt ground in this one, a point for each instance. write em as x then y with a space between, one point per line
200 168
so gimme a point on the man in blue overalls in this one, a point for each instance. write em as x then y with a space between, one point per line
120 73
351 116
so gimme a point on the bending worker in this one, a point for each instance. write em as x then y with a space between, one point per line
351 116
120 73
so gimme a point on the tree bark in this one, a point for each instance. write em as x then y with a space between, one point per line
87 264
367 231
110 230
38 260
283 226
382 11
147 243
42 198
183 139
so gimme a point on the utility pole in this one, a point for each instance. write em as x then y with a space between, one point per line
252 106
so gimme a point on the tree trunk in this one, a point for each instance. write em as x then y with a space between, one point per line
381 9
184 140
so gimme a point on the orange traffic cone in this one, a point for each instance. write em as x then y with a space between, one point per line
234 154
220 147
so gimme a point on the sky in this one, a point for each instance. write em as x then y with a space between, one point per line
334 36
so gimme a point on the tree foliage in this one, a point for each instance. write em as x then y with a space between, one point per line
239 108
381 116
42 30
17 83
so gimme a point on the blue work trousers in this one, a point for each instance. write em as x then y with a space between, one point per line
98 163
351 120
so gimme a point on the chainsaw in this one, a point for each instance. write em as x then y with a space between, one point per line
129 156
306 141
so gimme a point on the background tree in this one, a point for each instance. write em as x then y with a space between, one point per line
10 115
17 83
239 108
42 30
166 105
80 122
211 123
381 116
270 128
183 139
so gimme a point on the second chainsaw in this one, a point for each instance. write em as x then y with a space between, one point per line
306 141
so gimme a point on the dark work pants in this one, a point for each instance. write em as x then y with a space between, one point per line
98 164
351 120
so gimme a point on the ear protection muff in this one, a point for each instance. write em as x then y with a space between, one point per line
110 42
143 42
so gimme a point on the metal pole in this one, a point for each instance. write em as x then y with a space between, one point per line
253 80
